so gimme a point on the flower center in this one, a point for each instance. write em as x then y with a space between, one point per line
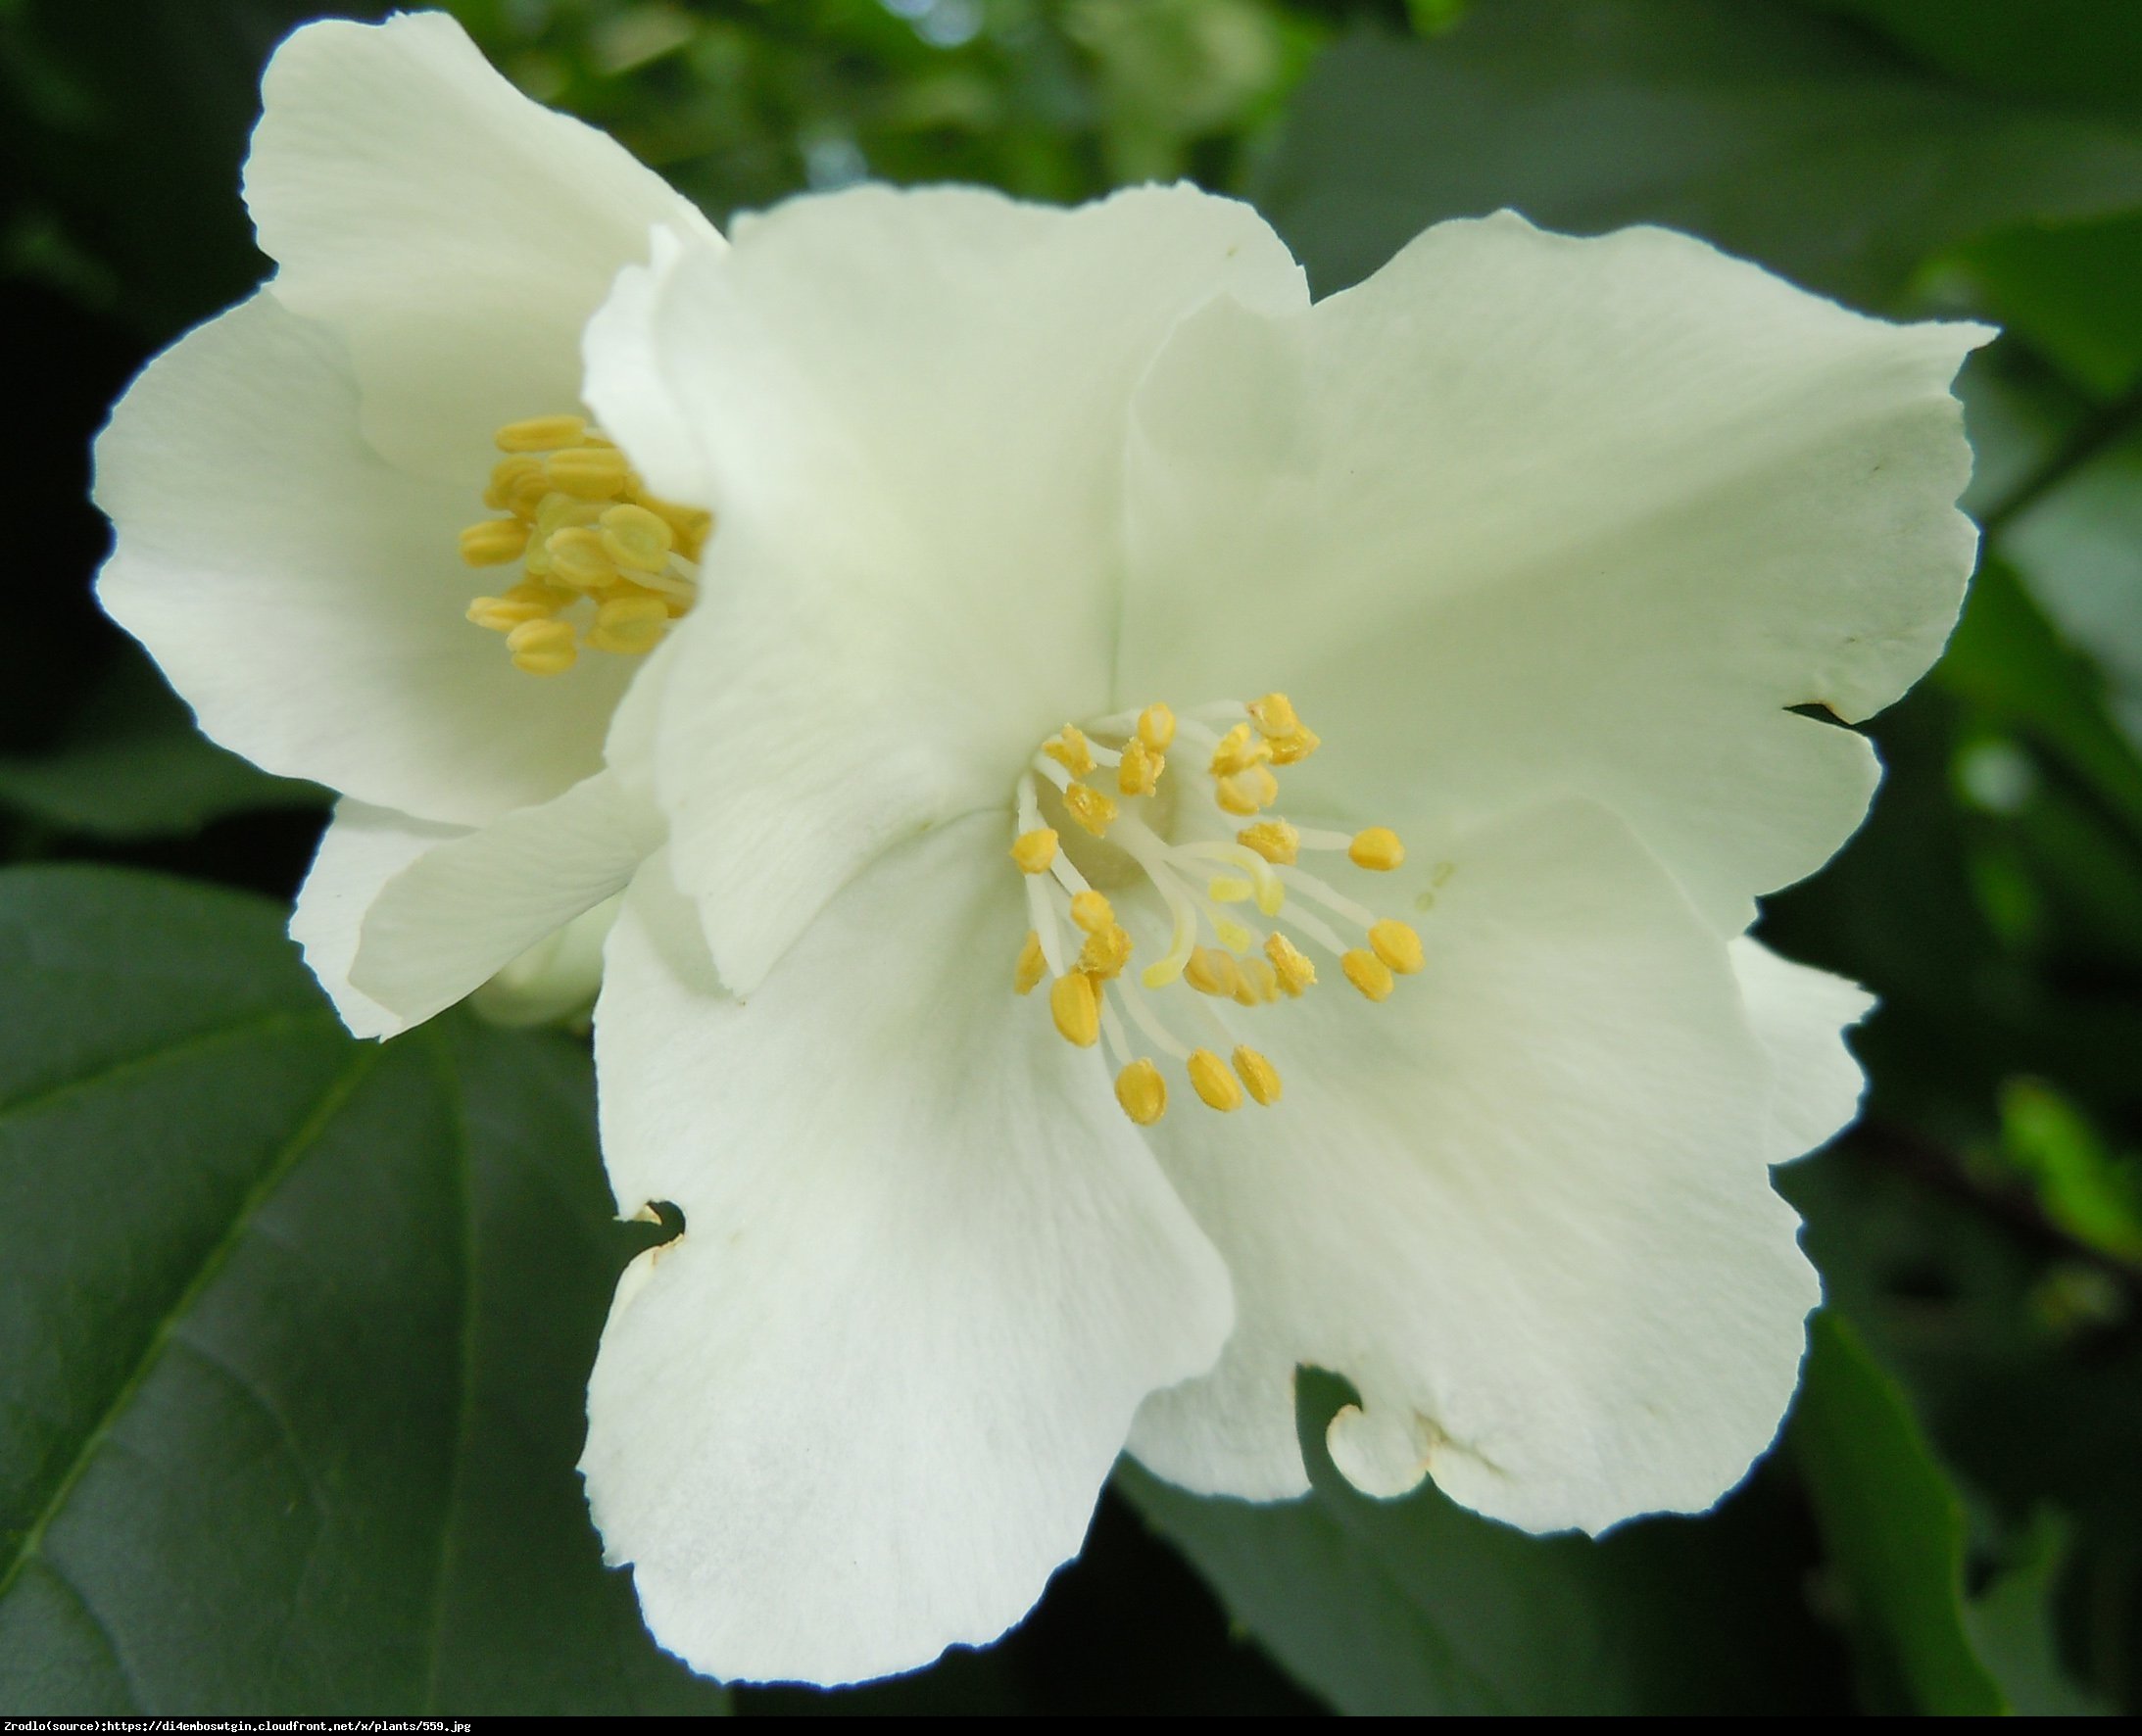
604 563
1237 886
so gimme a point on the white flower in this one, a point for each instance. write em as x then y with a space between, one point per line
1545 538
291 482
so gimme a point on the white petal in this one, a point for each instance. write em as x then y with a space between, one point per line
908 410
1523 1205
862 1409
1800 1017
444 925
456 234
307 598
1526 516
362 848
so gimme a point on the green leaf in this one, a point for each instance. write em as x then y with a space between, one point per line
2068 292
2082 1187
2073 50
1419 1606
2012 1624
2078 547
135 766
1776 133
2006 660
1894 1529
294 1332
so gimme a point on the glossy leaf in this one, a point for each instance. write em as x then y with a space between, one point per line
1419 1606
293 1336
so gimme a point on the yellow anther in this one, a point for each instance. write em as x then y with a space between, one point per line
576 559
1226 889
1248 791
1106 953
543 648
523 602
1290 964
1273 840
1075 1006
1233 936
1031 965
1398 946
691 526
630 626
1295 746
1139 772
1368 973
1069 749
634 537
1035 850
1260 984
1259 1075
542 433
1211 971
494 542
1210 1078
1090 808
1156 728
1271 894
1240 749
1273 715
516 484
592 472
502 614
1377 850
1143 1093
1092 912
556 512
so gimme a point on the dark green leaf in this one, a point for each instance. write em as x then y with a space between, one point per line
1773 132
2069 292
293 1336
1420 1607
1894 1528
2012 1624
2079 50
136 766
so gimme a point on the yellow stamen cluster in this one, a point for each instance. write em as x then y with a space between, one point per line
1202 882
606 565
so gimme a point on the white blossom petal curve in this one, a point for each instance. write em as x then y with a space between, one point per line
863 1408
456 234
908 412
1523 1205
362 848
452 919
306 598
1524 515
1800 1016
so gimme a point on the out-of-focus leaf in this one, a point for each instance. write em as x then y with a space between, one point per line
2082 1188
1773 132
2078 548
2006 660
2011 1623
2069 291
1894 1529
1419 1606
2071 50
293 1336
135 766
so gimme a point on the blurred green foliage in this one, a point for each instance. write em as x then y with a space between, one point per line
1957 1523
